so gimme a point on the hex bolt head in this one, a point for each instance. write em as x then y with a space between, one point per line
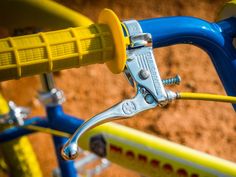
144 74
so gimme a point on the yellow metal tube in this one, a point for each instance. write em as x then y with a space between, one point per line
40 14
147 154
153 156
4 108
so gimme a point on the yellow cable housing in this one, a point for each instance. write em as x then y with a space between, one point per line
206 97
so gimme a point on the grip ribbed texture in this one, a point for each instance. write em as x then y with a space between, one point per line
53 51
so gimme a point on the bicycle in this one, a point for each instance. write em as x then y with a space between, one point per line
115 147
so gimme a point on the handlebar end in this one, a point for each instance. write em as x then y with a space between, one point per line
109 18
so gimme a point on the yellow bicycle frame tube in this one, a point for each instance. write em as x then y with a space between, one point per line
39 13
153 156
4 108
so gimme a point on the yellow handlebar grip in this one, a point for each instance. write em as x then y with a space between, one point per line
73 47
53 51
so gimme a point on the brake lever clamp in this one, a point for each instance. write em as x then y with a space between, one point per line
142 73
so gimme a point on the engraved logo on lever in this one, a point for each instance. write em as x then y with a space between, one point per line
128 107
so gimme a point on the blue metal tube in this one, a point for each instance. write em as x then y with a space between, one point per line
66 124
214 38
67 168
58 120
16 132
62 122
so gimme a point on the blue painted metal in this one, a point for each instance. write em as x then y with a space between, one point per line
63 122
16 132
67 167
214 38
58 120
66 124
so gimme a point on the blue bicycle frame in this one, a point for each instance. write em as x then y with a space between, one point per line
214 38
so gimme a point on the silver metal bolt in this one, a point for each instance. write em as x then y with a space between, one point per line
172 81
144 74
149 99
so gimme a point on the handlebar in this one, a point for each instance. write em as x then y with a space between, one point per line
214 38
99 43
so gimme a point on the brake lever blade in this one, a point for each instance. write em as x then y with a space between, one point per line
126 108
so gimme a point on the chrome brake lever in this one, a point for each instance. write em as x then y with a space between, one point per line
142 73
127 108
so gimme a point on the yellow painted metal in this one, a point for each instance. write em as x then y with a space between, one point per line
52 51
206 97
228 10
47 130
152 156
20 158
40 14
4 108
109 18
18 154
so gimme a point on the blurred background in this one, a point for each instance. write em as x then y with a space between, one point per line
205 126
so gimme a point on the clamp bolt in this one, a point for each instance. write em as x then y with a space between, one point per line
144 74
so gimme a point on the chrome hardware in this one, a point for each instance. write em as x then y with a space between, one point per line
82 165
16 115
142 73
172 81
52 98
50 95
149 99
126 108
141 40
144 60
171 95
129 78
47 82
88 159
133 27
